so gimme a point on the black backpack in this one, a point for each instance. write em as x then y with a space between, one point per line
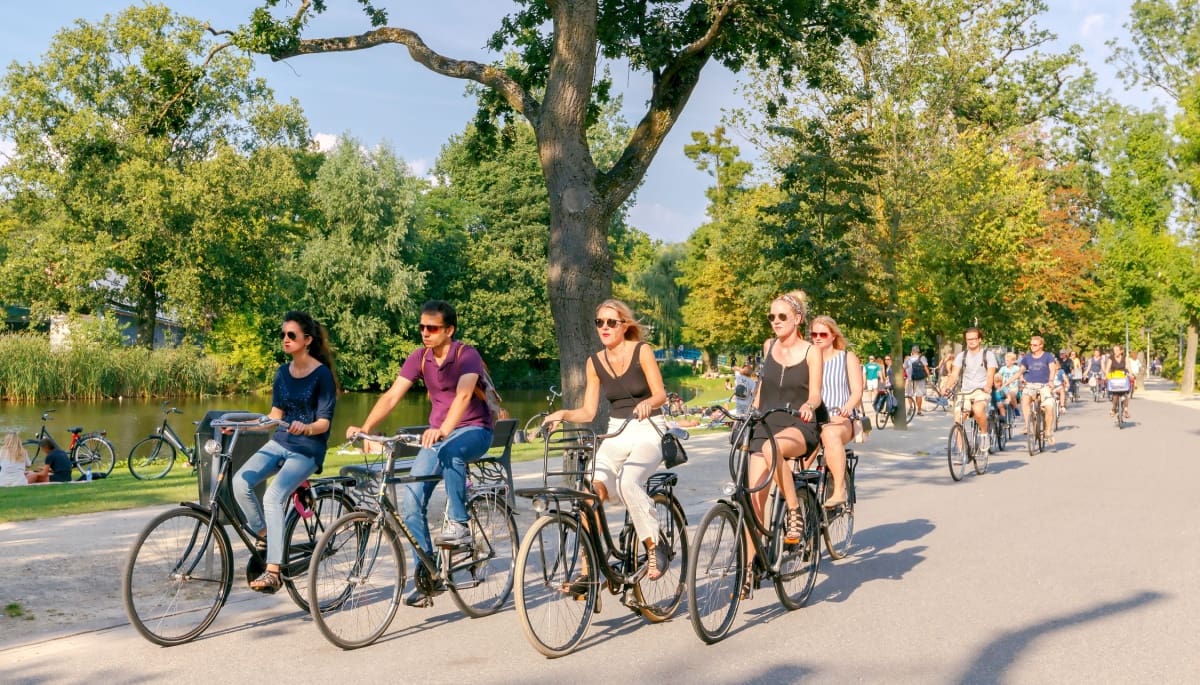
917 370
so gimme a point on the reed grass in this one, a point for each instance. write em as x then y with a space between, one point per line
31 371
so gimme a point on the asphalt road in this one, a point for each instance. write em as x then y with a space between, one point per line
1078 566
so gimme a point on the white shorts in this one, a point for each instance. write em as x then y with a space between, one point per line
872 384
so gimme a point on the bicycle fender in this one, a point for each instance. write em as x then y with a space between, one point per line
197 507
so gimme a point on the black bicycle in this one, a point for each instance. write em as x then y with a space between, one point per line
964 444
837 523
91 453
718 569
153 457
357 579
886 406
533 427
1035 435
180 570
568 553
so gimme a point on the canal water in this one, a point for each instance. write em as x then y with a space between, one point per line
129 420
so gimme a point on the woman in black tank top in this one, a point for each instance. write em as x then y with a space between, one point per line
792 370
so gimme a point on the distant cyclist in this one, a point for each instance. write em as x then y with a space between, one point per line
1037 371
975 367
1117 366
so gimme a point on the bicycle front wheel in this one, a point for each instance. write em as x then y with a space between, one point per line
910 409
354 583
481 578
881 416
957 451
839 521
715 573
300 536
33 452
558 584
177 577
660 598
797 563
151 458
94 454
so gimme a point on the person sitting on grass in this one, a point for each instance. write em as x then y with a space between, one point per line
56 467
13 462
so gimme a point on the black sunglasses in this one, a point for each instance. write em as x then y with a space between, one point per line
773 317
430 327
290 335
609 323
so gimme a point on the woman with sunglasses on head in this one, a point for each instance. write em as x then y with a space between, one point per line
841 392
791 377
627 374
303 397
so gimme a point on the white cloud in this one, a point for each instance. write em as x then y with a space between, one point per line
1093 25
419 168
325 141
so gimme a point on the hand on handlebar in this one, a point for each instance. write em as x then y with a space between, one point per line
431 436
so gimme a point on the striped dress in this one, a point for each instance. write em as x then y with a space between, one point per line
835 383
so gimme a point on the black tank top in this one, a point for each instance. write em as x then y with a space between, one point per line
625 391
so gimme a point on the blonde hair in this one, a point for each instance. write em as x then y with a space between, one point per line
839 340
798 301
12 451
634 330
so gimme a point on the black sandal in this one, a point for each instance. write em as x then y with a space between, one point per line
267 583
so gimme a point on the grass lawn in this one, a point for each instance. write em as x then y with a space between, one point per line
122 491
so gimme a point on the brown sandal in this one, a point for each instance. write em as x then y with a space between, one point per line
267 583
795 527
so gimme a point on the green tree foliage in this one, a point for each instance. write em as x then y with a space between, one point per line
151 171
355 269
554 87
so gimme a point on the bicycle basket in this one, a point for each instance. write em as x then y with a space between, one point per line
572 449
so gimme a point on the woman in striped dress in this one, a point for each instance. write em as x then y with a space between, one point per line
841 393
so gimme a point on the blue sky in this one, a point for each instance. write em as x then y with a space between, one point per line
381 95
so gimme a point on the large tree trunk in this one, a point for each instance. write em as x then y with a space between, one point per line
1188 386
146 314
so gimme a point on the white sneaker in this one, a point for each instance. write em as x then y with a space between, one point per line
985 444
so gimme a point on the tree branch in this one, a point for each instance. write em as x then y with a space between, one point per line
495 78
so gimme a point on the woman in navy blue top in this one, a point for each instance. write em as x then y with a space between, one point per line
303 396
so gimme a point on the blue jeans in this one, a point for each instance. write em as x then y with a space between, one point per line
447 458
293 468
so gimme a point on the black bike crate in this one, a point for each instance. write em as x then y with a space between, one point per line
248 443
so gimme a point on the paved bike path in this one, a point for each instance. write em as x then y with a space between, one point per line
1075 566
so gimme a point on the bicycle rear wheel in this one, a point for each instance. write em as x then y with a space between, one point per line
715 573
555 597
839 521
177 577
94 454
151 458
797 563
957 451
481 578
910 409
354 584
881 416
300 536
661 597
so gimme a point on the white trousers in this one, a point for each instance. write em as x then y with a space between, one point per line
624 462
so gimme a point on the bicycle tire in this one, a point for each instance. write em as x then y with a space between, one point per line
151 459
355 582
660 598
300 536
798 564
996 426
910 409
1121 413
957 451
838 528
177 577
1041 431
979 457
715 574
481 578
94 453
881 418
33 452
550 562
1031 431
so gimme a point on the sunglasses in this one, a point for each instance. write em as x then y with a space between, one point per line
820 335
290 335
774 317
430 328
607 323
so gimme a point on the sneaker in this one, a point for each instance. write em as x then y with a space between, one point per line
985 444
454 534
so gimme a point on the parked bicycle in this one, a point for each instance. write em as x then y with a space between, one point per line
180 570
964 444
886 406
153 457
356 582
718 568
533 427
91 453
569 553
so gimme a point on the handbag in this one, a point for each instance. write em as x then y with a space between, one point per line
672 448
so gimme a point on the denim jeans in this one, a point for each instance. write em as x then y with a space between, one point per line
447 458
293 468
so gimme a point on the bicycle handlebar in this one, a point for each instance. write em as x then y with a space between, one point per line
388 440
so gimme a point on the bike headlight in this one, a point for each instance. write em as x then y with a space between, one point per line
212 447
728 489
540 505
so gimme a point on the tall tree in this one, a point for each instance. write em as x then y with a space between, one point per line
556 89
151 171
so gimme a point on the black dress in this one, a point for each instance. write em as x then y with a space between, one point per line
782 386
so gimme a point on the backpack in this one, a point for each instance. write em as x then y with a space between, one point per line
485 389
917 370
